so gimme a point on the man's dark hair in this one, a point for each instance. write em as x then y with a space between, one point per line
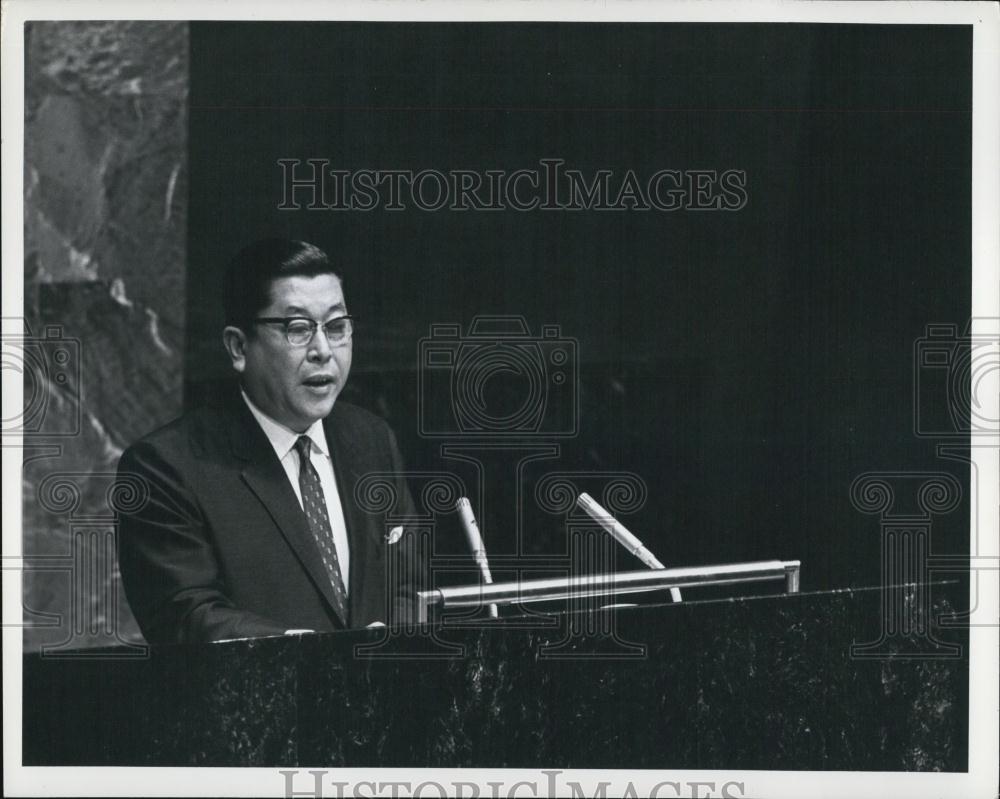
247 284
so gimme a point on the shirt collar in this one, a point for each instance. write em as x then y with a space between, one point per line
283 438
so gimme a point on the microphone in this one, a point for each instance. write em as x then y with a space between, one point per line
464 508
622 535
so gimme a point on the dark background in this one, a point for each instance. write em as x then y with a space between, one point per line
748 366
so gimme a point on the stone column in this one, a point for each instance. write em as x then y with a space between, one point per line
905 503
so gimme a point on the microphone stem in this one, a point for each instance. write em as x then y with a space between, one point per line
464 508
623 536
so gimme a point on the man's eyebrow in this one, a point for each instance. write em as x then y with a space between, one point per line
295 310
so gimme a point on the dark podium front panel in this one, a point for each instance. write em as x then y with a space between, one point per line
754 683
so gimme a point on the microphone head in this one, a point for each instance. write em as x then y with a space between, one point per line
464 508
473 536
590 505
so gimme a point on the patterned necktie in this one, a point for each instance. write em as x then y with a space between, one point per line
314 505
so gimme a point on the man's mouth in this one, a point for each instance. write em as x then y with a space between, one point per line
319 381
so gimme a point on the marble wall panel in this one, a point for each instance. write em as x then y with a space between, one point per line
105 224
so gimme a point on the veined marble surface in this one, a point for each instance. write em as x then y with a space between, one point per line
105 242
750 683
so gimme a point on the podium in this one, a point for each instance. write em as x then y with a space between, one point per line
766 682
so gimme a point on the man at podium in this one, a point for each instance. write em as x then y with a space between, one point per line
248 525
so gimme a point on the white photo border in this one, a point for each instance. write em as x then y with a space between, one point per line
984 676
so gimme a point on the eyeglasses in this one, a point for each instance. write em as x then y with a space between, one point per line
299 330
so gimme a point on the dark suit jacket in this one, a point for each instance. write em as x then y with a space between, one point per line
221 548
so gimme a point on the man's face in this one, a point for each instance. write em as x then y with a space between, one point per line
295 385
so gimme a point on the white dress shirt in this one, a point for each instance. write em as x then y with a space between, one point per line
283 440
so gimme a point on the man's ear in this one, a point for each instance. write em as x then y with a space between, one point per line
235 342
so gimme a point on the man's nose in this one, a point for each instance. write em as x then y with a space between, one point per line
320 348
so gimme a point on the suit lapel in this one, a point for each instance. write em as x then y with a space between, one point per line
266 478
